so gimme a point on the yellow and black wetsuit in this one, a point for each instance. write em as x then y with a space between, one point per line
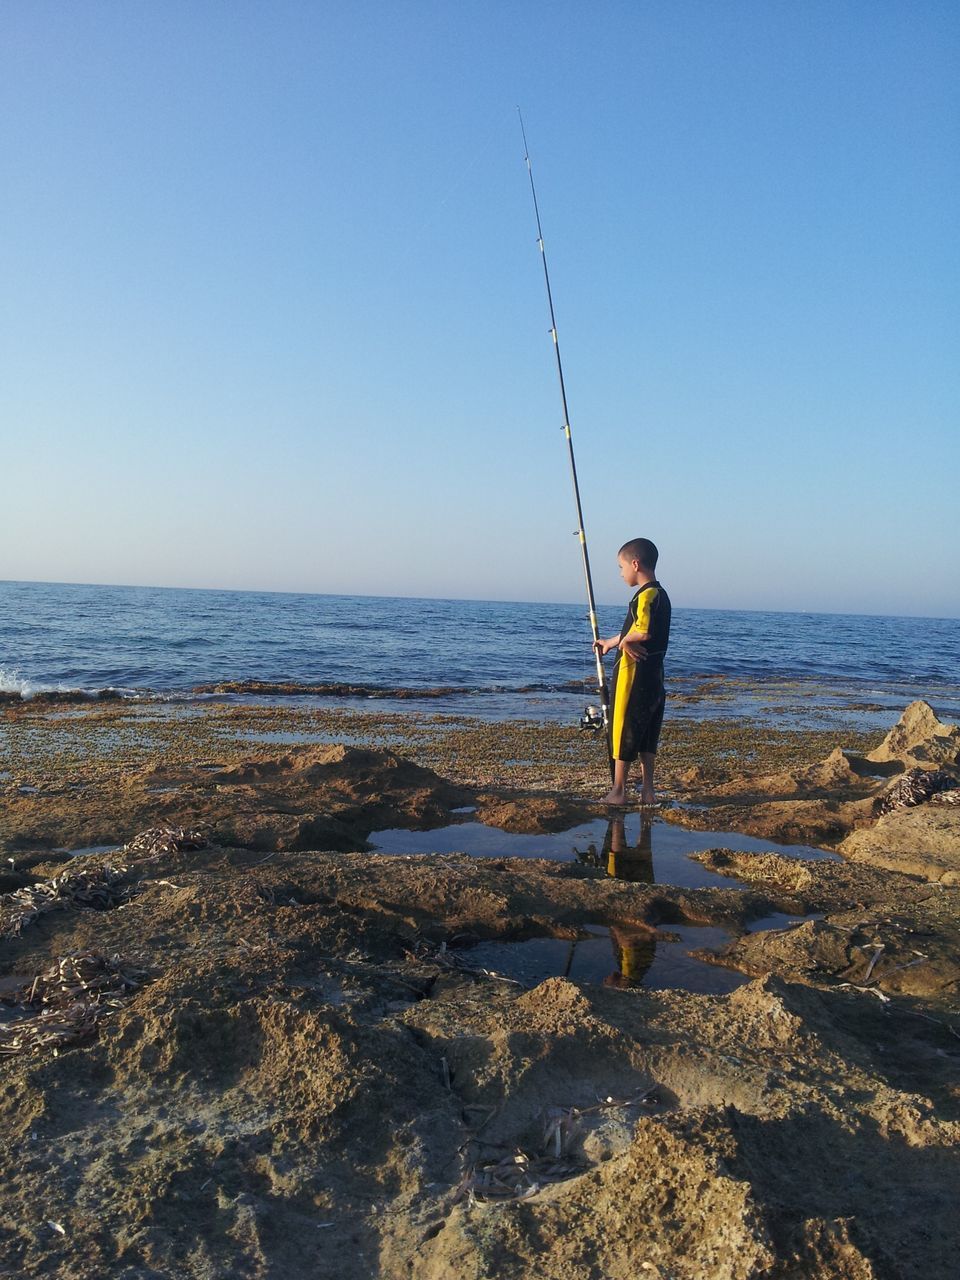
636 688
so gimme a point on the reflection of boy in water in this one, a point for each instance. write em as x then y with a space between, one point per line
626 862
634 947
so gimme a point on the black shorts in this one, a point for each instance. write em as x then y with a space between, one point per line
640 730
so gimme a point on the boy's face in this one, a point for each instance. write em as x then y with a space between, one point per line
630 570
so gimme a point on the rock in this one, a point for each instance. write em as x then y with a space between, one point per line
919 737
308 797
531 815
922 841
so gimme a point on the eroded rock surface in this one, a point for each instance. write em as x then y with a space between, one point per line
305 1076
822 803
920 738
306 798
304 1085
922 841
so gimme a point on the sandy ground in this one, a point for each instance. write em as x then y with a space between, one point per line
243 1046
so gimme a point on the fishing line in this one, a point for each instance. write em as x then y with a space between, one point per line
593 717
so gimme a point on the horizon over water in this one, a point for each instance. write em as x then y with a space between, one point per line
499 658
362 595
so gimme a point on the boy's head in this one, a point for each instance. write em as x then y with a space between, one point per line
638 561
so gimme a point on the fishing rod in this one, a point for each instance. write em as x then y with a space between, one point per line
591 717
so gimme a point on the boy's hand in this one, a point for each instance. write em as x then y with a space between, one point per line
603 647
634 649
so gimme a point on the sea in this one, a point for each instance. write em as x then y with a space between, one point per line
465 657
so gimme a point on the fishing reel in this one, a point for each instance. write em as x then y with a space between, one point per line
593 718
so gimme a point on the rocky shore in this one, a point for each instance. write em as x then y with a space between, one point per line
238 1043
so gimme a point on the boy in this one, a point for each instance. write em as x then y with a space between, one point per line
636 687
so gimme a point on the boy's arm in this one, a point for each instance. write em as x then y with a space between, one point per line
633 643
604 646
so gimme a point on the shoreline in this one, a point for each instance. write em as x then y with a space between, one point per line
39 740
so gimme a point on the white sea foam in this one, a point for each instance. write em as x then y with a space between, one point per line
11 681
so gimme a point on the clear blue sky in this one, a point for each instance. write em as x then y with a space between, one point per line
273 313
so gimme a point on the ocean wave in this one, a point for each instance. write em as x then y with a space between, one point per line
17 688
337 689
14 687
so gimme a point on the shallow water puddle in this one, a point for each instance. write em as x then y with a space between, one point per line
780 922
631 847
615 957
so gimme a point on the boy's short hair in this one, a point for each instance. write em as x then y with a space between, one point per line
641 549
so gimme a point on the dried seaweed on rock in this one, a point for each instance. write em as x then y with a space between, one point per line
96 887
915 787
66 1002
452 961
93 887
157 841
521 1175
514 1177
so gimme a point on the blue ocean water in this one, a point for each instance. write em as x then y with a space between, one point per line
159 641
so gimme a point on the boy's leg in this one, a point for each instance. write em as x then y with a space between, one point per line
618 793
648 751
647 762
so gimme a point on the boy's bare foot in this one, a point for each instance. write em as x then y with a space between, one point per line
617 795
648 800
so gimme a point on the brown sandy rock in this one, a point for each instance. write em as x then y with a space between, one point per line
923 841
825 801
768 869
700 776
272 831
841 775
351 782
309 797
668 1201
292 1061
879 954
530 815
820 823
920 738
